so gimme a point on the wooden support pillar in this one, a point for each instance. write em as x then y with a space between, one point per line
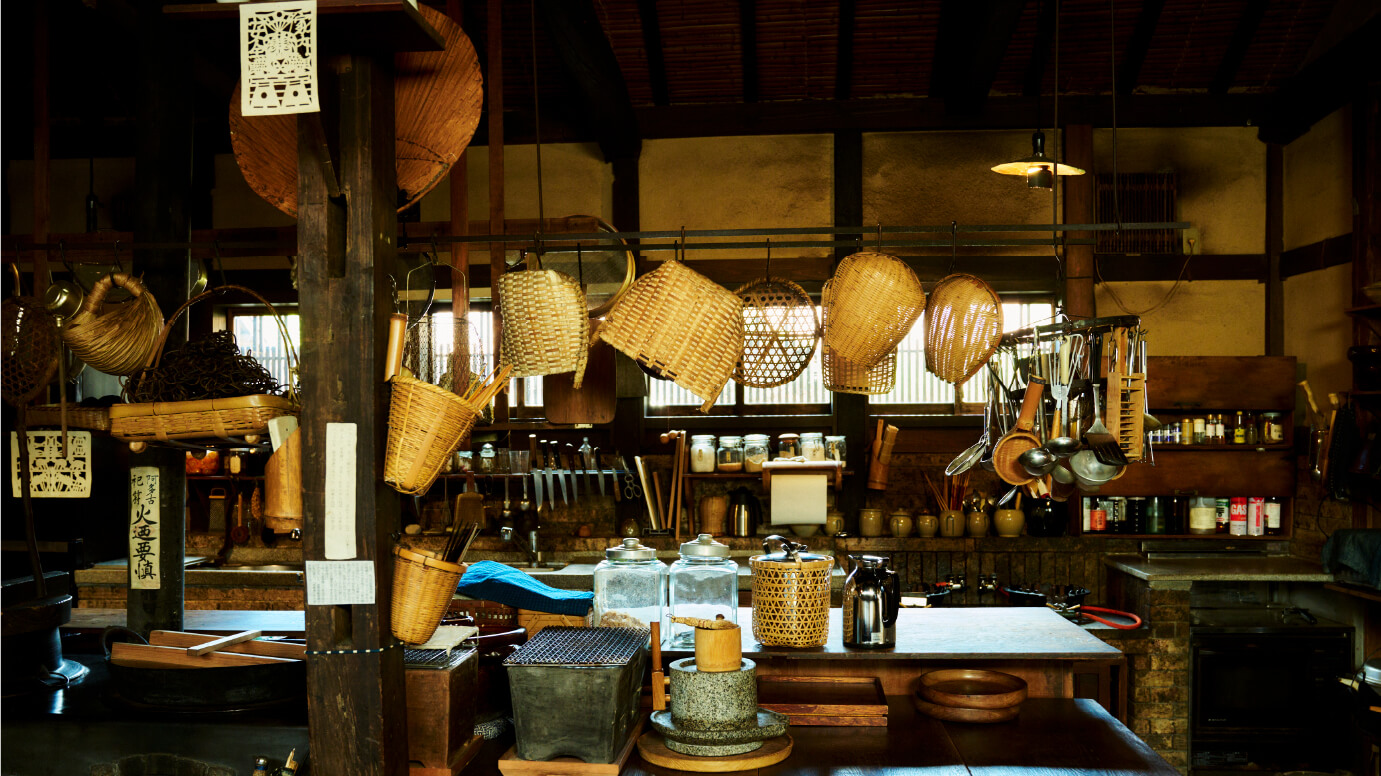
1079 202
1275 246
850 409
494 85
347 247
163 183
460 252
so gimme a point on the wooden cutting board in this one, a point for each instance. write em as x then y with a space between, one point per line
596 399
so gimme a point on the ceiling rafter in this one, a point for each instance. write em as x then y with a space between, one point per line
844 51
1237 50
652 46
1040 52
973 39
748 47
589 60
1130 73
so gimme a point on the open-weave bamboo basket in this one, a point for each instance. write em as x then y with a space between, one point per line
791 602
225 419
842 375
437 99
422 589
118 341
681 324
425 425
780 331
91 418
876 299
963 326
546 329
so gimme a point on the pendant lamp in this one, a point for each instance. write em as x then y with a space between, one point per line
1039 169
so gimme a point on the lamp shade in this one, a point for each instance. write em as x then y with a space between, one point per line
1037 166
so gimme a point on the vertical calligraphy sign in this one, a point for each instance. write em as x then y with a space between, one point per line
143 528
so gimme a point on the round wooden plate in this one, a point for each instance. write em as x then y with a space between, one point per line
955 714
971 688
654 750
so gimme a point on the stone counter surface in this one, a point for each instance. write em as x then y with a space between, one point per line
1270 568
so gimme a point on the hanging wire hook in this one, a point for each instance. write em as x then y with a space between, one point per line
879 235
579 265
220 268
683 243
953 245
118 263
767 269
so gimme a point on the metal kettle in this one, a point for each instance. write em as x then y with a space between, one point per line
744 512
872 599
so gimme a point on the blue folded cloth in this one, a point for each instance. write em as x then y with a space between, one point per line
496 582
1354 555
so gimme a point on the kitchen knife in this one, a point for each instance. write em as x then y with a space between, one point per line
599 473
585 471
569 459
560 473
546 472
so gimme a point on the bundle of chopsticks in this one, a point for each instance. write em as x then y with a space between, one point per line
455 549
951 495
481 392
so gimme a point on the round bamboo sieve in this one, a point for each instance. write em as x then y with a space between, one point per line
963 327
1020 439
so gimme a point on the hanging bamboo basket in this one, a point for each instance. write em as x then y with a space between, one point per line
963 327
876 300
682 325
780 332
546 329
437 97
842 375
116 341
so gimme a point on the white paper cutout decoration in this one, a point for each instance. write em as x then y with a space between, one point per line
278 43
51 475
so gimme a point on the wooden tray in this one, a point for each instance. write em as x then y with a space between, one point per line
971 688
956 714
512 765
849 701
654 750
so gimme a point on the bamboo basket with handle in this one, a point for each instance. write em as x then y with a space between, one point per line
118 341
208 419
422 589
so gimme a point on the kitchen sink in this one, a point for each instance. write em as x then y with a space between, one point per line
545 568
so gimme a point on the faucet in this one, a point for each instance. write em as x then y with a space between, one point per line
987 583
506 533
533 553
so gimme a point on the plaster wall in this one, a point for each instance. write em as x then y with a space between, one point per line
575 181
68 185
1201 318
1318 182
1316 330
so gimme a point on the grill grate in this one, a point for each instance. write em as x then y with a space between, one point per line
433 658
558 645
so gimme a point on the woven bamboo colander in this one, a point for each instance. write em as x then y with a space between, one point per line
118 341
437 98
780 332
876 300
963 326
31 348
546 329
844 376
682 325
423 587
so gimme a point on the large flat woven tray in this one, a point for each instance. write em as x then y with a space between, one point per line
201 419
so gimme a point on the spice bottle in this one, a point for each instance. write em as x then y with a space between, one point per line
702 453
1239 432
756 450
729 457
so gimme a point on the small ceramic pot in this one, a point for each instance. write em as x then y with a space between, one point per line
900 524
927 525
978 524
1009 522
951 523
834 523
870 523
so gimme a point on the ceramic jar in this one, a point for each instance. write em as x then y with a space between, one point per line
951 523
978 524
900 523
1009 522
870 523
927 526
834 523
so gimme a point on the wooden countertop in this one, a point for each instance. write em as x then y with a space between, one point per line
1269 568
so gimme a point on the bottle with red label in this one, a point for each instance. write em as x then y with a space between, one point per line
1237 517
1256 516
1098 516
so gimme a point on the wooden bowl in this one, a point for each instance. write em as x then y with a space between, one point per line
971 688
955 714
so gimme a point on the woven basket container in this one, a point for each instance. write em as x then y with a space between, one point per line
780 331
422 589
546 329
963 327
425 425
844 376
121 340
91 418
437 99
876 299
682 325
791 602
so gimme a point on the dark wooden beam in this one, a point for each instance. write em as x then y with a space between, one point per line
494 36
973 40
1130 71
1328 252
1324 85
42 150
1237 48
844 48
850 410
1079 201
652 48
748 47
1275 245
356 712
584 49
1040 52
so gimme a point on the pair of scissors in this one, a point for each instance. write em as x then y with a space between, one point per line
631 489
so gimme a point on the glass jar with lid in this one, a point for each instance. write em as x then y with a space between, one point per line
630 582
756 450
813 446
729 457
835 450
788 445
701 453
703 583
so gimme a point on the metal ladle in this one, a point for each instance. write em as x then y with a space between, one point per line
1038 461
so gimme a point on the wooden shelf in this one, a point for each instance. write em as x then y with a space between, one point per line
1365 311
1170 447
1101 534
1354 590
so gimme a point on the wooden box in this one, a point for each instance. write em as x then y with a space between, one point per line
441 709
850 701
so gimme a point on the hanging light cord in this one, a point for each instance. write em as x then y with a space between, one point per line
1055 130
536 117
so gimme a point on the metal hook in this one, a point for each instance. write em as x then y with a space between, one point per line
118 263
953 245
767 269
579 266
683 243
879 234
220 268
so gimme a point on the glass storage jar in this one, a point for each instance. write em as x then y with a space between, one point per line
835 450
813 446
702 453
703 583
729 458
756 450
788 445
630 581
